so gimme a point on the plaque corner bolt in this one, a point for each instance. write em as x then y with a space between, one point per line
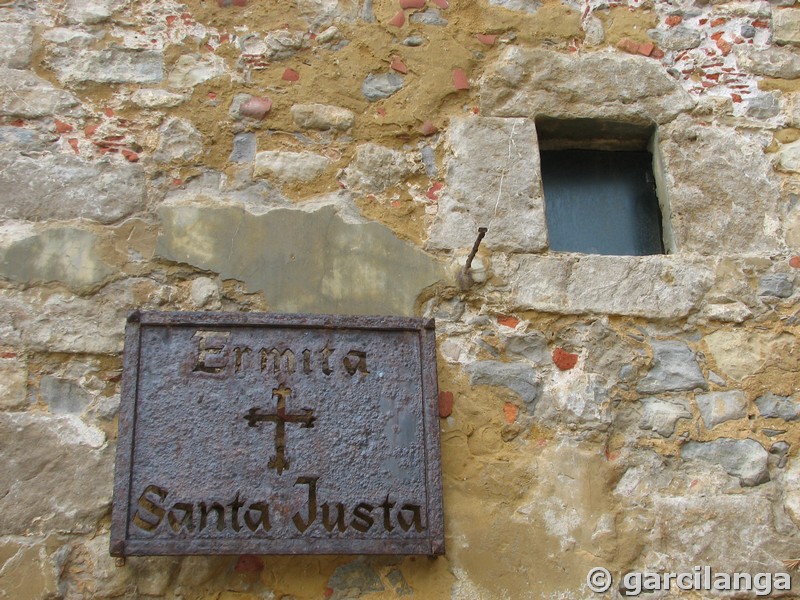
135 316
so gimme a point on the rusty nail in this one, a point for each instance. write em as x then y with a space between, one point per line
481 232
464 279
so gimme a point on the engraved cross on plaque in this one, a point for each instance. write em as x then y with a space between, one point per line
305 417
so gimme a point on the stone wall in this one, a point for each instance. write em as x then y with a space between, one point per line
636 413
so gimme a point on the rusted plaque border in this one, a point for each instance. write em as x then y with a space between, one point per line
122 546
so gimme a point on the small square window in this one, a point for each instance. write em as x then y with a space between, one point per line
599 188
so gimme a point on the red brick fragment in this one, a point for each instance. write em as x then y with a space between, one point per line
290 75
74 143
130 155
736 97
460 79
428 128
381 111
248 563
17 123
412 3
508 321
256 107
716 36
90 130
760 24
8 355
628 45
398 65
794 262
510 411
718 21
432 192
62 127
109 112
725 47
446 400
702 21
441 3
657 53
486 38
171 19
398 20
673 20
646 49
564 360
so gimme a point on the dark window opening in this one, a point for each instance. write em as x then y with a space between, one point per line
599 188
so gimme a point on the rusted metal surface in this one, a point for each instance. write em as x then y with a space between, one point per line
278 434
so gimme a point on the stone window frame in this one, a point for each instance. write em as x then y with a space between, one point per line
492 179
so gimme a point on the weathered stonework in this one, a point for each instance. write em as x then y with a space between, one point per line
744 211
493 180
638 286
59 186
530 83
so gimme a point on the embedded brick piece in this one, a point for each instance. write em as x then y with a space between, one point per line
493 181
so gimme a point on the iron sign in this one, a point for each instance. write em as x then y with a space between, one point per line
252 433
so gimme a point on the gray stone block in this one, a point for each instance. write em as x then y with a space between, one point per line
111 65
518 377
661 415
531 82
383 85
778 286
718 407
674 369
63 396
16 45
65 254
28 96
56 476
772 406
745 459
65 187
722 190
493 180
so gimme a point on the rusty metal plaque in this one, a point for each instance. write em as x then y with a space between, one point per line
252 433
